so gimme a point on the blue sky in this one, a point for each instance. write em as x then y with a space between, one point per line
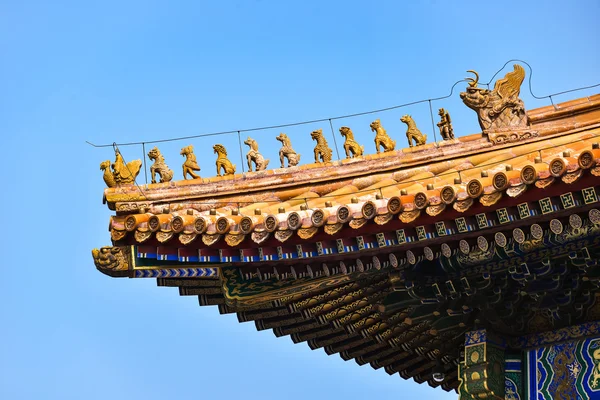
139 71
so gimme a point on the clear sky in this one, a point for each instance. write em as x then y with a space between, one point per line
138 71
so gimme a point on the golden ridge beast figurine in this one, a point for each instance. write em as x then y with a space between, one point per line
381 137
352 148
287 151
159 167
190 165
501 108
413 133
445 125
119 173
222 161
322 149
254 156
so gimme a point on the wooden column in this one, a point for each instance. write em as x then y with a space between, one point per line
482 371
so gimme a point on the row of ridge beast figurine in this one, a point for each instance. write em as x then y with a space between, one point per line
121 173
498 110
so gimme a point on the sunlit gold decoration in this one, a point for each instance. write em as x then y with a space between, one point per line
412 132
245 225
154 223
234 240
528 174
307 233
448 194
187 238
253 156
343 214
132 221
516 191
445 125
490 199
113 261
200 225
502 137
352 148
130 207
409 216
190 165
271 223
557 167
163 237
333 228
435 209
209 240
586 159
222 161
381 137
357 223
294 221
368 210
474 188
322 150
383 219
116 235
394 205
120 173
421 201
177 224
500 181
500 108
141 237
318 217
287 151
571 177
260 236
159 167
108 175
463 205
222 225
543 183
282 236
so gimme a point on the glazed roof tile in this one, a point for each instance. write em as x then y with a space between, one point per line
352 203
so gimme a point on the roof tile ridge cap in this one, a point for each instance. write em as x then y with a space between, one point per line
586 101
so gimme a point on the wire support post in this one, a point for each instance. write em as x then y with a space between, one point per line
433 124
552 102
241 151
144 158
334 140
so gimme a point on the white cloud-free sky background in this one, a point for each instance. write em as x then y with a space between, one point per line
145 70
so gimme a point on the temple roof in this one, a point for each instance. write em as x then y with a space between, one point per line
389 258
